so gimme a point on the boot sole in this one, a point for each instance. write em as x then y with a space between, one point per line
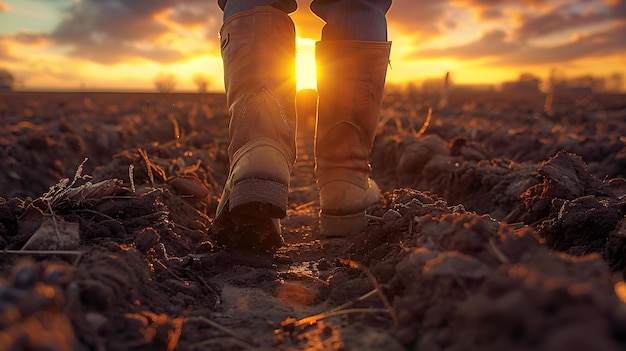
341 226
259 198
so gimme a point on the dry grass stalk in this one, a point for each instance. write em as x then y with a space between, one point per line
374 218
306 276
216 294
175 334
131 176
60 191
333 312
162 265
426 124
318 317
150 167
229 332
304 205
64 190
176 128
496 252
377 287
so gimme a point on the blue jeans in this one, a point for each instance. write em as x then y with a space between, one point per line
345 19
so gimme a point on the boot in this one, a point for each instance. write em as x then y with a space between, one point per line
351 77
258 50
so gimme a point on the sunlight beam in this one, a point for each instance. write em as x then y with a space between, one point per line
306 72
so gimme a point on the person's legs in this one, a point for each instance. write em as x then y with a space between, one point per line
231 7
353 19
258 52
352 61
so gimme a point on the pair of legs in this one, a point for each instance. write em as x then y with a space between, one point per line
258 51
345 19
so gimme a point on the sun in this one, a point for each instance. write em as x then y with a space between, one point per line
306 73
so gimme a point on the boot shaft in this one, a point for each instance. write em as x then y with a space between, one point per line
258 51
351 79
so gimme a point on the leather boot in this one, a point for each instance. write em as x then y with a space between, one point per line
258 50
351 77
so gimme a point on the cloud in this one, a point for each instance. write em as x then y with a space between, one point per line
23 37
118 20
5 54
561 18
492 43
29 38
511 45
491 13
117 30
109 54
503 52
423 19
617 8
4 7
190 15
431 19
486 5
605 43
490 10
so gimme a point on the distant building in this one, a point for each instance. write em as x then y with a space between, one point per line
530 85
433 85
583 85
473 88
578 90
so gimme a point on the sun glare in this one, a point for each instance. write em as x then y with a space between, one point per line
305 64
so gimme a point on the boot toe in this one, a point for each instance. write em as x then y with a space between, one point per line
343 207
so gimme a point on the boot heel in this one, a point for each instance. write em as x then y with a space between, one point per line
346 225
259 198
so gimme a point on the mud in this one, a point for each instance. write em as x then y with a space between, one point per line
501 227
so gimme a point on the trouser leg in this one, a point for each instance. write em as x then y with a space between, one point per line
353 19
231 7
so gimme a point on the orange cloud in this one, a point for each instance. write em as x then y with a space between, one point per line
423 20
491 43
504 52
559 19
5 54
27 37
118 31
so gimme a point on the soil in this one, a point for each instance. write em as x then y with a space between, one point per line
502 227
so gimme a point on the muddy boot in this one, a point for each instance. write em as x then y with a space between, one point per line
351 77
258 50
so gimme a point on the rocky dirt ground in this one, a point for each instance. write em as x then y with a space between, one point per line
501 227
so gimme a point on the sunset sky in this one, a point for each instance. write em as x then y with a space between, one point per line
124 44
